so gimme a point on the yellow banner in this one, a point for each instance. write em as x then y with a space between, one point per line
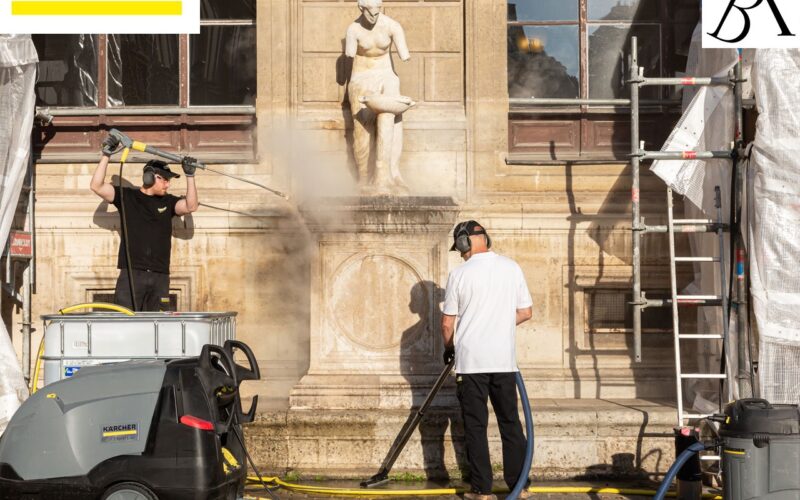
96 8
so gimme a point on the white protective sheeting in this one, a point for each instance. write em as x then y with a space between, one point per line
774 222
707 124
17 106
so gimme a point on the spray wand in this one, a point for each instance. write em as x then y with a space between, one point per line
129 143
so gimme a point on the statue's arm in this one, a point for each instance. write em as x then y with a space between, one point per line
350 42
399 38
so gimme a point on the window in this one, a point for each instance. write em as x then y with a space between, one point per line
569 49
203 87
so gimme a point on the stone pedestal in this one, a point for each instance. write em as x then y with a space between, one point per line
377 281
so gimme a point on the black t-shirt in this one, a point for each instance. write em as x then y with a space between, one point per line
149 222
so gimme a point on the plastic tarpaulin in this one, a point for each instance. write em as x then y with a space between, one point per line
774 222
17 106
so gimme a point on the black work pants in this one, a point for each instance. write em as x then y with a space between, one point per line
473 389
151 288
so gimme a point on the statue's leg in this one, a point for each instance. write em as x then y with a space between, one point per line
397 149
363 124
385 132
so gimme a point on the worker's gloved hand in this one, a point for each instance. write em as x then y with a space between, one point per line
449 355
189 165
110 145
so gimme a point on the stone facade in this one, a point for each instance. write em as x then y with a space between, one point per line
339 295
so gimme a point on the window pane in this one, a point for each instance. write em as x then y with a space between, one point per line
543 61
609 45
143 70
542 10
228 9
67 70
613 10
223 66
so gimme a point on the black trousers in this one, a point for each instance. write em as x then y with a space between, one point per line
151 288
473 389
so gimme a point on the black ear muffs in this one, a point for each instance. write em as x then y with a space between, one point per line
148 176
463 243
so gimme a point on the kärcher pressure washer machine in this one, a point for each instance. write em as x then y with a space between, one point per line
147 429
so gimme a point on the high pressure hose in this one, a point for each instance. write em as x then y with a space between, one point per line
124 224
522 481
676 466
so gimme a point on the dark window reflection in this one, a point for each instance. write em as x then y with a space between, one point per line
223 66
143 70
615 10
67 70
608 46
228 9
542 10
543 61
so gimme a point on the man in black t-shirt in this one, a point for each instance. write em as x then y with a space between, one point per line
148 219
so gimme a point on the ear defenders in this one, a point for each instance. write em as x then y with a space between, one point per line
148 176
463 243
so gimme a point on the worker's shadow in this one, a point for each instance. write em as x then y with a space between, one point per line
421 372
107 217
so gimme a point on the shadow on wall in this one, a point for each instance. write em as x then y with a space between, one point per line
420 372
604 294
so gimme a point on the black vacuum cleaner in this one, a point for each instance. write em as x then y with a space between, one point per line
145 430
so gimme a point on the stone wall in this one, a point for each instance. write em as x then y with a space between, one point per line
337 295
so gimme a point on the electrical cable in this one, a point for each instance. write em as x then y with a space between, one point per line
124 224
260 479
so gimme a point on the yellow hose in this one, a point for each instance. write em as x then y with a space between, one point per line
362 492
97 305
35 381
93 305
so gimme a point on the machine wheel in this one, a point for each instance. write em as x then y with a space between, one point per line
129 491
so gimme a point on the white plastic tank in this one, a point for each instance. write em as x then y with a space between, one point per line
72 341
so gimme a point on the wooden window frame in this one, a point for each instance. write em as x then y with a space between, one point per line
581 132
215 134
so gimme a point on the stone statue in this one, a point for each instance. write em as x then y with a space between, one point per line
375 100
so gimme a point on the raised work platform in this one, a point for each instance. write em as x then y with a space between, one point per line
574 438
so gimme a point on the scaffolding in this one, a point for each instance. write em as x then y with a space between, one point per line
640 302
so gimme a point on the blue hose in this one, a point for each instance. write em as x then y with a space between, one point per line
526 465
682 458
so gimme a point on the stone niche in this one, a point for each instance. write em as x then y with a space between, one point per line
377 282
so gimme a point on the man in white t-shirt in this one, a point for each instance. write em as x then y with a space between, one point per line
489 296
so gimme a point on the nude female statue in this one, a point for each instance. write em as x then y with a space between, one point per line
374 95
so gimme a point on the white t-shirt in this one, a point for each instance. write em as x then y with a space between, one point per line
485 293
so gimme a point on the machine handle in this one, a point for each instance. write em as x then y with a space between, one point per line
252 373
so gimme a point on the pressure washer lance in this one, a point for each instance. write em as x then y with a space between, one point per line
144 148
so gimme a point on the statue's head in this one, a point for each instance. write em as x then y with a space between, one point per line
370 9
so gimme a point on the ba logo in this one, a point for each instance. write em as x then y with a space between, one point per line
751 23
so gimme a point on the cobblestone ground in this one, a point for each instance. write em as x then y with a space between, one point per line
258 492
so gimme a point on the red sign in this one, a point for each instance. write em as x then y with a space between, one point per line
20 244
